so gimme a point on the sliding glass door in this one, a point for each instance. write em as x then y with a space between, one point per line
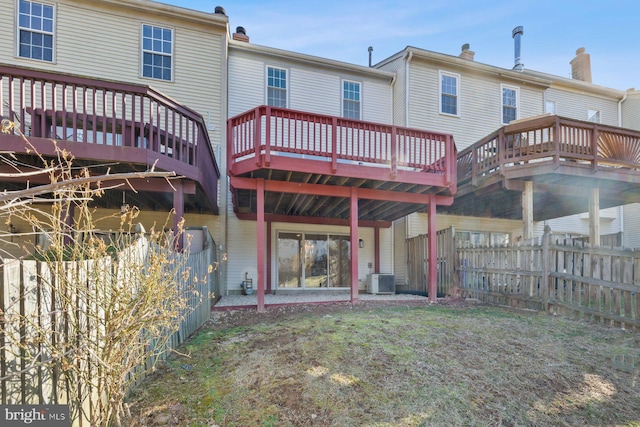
313 260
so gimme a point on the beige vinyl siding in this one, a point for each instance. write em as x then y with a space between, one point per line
315 91
376 102
480 103
398 67
246 83
631 111
311 89
400 251
574 105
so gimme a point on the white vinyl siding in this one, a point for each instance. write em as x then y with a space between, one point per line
449 93
573 105
35 35
481 104
631 111
631 215
510 96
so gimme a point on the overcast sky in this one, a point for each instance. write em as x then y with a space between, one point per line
553 30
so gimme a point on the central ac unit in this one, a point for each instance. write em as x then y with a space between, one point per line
381 284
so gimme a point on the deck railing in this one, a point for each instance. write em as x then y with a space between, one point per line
106 113
551 138
264 131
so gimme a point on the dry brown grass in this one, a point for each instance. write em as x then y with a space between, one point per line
340 365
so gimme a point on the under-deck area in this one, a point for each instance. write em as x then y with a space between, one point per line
298 167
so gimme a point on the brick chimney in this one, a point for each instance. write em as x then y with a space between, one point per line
581 66
241 35
466 53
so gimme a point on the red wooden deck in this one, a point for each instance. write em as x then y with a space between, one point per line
564 159
309 162
127 127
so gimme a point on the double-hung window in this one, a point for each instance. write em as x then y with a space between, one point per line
593 116
35 30
510 101
277 87
350 100
157 52
449 97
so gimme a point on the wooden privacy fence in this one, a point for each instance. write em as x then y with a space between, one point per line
417 255
23 295
595 284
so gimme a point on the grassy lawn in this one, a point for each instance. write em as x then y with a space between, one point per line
378 366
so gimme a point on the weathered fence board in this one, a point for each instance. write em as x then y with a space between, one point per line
601 285
23 292
417 262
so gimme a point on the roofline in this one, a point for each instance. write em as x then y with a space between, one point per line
309 59
530 76
170 11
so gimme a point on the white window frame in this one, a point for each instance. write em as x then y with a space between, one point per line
502 105
344 100
32 31
285 89
594 115
153 51
550 105
455 76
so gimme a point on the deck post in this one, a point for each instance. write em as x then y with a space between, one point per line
527 211
353 233
268 263
260 241
594 218
178 211
432 286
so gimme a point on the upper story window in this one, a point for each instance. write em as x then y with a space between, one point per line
510 101
277 87
351 100
157 52
449 87
35 30
550 107
593 116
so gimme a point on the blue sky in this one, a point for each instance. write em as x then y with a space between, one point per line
553 30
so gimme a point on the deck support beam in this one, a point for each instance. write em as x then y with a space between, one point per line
594 217
260 241
432 286
353 234
527 211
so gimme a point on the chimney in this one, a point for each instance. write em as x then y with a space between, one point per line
241 35
466 53
581 66
370 55
517 35
220 10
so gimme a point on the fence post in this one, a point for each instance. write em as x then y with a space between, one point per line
546 265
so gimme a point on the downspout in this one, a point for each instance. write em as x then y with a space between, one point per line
408 58
620 110
621 208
